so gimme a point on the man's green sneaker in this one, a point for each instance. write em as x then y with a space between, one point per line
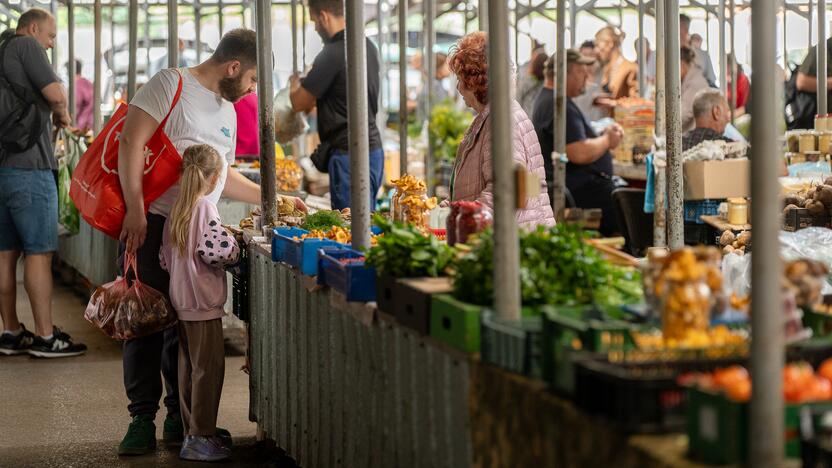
172 431
140 438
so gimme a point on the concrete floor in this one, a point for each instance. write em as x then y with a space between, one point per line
72 412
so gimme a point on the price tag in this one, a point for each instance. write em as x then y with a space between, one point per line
528 186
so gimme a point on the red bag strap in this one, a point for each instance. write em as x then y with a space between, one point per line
130 264
175 100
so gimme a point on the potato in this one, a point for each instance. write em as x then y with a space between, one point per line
828 181
744 238
815 207
728 249
789 208
824 195
727 238
791 200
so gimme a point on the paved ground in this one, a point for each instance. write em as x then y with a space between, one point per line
72 412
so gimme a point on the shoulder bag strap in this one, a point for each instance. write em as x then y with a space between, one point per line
175 100
25 93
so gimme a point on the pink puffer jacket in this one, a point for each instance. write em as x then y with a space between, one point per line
473 177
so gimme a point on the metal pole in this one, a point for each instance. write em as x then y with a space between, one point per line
430 68
173 34
294 13
766 436
198 32
559 189
517 32
133 44
642 53
220 18
70 16
53 8
265 91
821 60
660 187
785 43
506 244
403 86
723 61
573 20
381 117
674 125
734 66
466 16
147 41
357 111
303 32
482 12
809 42
96 92
112 46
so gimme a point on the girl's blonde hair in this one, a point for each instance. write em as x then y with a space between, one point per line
200 163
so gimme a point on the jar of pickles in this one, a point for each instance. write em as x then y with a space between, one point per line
684 294
472 218
416 206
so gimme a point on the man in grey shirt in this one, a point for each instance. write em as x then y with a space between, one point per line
29 195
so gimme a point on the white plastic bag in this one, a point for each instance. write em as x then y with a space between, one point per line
288 124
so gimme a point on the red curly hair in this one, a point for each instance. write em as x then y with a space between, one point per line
469 62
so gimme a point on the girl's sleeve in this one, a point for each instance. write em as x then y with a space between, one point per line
216 247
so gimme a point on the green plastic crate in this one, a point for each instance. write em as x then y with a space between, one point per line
819 322
568 336
718 427
457 323
515 346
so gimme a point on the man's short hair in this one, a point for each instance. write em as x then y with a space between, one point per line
333 7
684 20
706 100
238 44
32 16
587 45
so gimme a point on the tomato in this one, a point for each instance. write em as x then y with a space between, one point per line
739 390
724 378
825 369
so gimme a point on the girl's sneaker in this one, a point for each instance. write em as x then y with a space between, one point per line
200 448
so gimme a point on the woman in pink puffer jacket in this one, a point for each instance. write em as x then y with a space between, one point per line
473 177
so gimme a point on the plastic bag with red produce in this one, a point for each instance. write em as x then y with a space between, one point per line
125 311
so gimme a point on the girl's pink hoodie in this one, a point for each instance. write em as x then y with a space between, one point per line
197 278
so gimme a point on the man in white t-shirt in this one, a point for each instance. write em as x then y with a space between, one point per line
204 115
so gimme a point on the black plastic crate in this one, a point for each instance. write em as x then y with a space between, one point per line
514 346
413 299
639 397
387 290
239 286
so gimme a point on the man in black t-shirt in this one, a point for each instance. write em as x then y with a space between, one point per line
589 170
325 87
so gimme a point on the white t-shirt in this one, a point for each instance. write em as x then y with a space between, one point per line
200 117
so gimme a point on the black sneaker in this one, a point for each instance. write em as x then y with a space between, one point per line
59 346
11 345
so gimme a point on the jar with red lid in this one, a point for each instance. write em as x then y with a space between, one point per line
472 218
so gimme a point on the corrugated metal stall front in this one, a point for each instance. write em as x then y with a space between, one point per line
339 385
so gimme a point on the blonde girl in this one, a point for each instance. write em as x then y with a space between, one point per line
195 248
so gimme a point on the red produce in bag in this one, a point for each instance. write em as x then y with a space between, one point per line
95 186
125 311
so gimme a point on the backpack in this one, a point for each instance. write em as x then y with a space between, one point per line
22 123
801 106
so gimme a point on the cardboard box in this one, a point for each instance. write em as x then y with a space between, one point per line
717 179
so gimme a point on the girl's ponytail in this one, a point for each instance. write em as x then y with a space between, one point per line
199 165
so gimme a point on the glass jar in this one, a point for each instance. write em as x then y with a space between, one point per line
450 224
821 123
414 208
808 142
472 218
737 211
395 207
685 306
824 140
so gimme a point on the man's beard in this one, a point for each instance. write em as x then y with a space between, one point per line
231 89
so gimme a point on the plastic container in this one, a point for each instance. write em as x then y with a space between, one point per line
695 209
514 346
282 238
356 281
300 253
737 211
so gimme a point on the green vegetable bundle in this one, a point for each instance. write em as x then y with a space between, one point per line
405 252
323 220
447 127
556 267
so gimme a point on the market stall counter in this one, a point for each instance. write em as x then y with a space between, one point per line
334 382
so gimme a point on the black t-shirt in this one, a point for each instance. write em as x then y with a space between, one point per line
809 67
578 129
698 135
543 116
327 81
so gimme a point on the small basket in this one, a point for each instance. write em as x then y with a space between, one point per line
356 281
695 209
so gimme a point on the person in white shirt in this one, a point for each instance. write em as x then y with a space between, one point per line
204 115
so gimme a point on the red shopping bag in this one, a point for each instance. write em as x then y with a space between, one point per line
95 186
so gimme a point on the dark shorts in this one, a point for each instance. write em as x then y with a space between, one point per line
28 210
